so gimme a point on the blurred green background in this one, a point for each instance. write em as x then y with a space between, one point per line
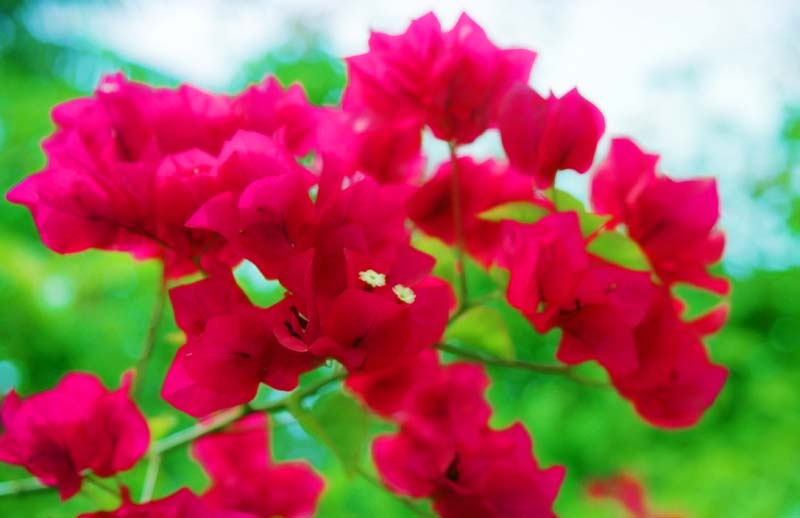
90 312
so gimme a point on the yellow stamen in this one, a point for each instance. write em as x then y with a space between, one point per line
404 293
372 278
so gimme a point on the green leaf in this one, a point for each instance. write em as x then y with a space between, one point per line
445 267
589 221
485 329
619 249
500 276
161 425
565 202
521 211
341 423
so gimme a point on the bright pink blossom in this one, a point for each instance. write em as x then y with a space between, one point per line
244 479
493 475
285 114
386 391
386 149
76 426
481 186
127 167
556 283
674 221
616 317
445 450
370 325
451 81
675 382
232 347
542 136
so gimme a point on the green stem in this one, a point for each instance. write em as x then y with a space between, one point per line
225 418
151 477
150 338
25 485
499 362
220 421
455 193
96 482
542 368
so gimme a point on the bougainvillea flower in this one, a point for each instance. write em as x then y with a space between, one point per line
681 240
386 391
711 321
386 149
598 323
386 313
360 324
128 166
231 348
269 109
494 476
481 186
597 305
546 262
618 180
244 479
265 224
542 136
629 492
452 81
182 504
675 382
76 426
433 413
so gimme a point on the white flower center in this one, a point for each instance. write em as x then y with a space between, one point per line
404 293
372 278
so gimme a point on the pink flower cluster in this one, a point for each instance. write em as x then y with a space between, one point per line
78 427
324 200
445 449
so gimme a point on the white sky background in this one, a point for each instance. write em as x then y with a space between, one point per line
704 83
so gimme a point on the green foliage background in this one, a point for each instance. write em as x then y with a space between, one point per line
90 312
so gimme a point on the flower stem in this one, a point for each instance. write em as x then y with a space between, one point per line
455 193
96 482
151 337
151 477
25 485
220 421
225 418
499 362
542 368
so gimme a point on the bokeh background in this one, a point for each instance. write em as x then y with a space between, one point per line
713 86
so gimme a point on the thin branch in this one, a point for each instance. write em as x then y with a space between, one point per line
225 418
542 368
25 485
455 193
150 477
151 337
95 481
